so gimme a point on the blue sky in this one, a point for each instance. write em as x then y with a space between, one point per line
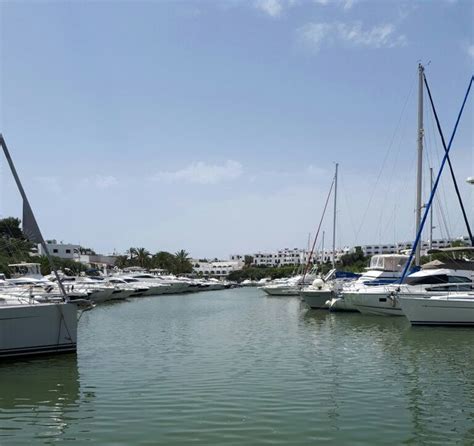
214 126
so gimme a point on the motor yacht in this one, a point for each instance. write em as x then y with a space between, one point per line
289 286
436 278
384 269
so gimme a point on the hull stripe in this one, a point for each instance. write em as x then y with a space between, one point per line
56 348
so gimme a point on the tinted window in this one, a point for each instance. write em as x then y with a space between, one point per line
427 280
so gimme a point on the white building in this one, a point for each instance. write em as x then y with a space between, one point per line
220 268
387 248
297 256
97 260
61 250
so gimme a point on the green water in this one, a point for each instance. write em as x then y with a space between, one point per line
238 368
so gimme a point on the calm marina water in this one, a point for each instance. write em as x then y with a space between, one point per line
237 367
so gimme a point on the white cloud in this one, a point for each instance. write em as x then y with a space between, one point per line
50 184
470 50
380 36
314 34
105 182
100 182
346 4
203 173
273 8
316 171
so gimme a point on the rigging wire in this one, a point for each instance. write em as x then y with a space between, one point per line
364 215
347 204
435 186
319 228
440 199
468 227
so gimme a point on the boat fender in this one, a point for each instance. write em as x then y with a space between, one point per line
318 283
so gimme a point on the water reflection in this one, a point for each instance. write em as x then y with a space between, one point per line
235 367
426 373
41 393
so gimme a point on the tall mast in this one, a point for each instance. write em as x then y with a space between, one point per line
419 175
431 210
26 205
322 248
334 220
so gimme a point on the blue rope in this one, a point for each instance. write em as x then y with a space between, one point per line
435 186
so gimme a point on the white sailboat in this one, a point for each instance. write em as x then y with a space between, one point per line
27 326
449 309
322 290
454 309
367 299
435 279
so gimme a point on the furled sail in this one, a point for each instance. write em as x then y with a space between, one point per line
30 227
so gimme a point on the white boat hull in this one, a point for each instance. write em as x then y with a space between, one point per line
438 311
378 304
100 296
281 290
341 304
156 290
316 299
35 329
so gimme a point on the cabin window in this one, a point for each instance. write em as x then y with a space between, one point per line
458 279
428 280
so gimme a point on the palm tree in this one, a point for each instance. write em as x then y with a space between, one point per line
121 261
142 256
132 252
183 264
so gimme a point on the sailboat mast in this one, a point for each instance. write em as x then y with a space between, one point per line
431 210
26 204
334 220
323 258
419 175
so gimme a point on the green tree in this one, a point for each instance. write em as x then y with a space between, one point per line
354 261
164 260
248 260
121 261
67 266
142 257
183 262
14 247
10 228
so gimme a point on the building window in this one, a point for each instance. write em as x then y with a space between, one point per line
68 251
55 251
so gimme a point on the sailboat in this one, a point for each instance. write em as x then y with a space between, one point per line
433 280
322 290
29 326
